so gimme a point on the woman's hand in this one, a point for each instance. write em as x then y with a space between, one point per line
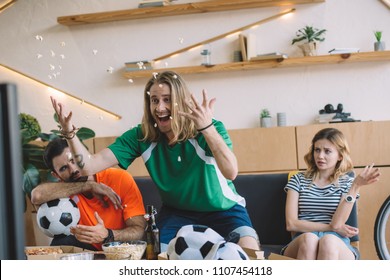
347 231
368 176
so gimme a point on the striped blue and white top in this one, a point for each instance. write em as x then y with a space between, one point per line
318 204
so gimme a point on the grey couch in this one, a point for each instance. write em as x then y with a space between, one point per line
265 199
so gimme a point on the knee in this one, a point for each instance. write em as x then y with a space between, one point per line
328 244
249 242
309 240
308 246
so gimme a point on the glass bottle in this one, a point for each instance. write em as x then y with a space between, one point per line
152 234
206 57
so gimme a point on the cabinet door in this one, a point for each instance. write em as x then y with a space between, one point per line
369 141
371 199
265 149
137 168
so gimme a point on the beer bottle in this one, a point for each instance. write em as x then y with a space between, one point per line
152 234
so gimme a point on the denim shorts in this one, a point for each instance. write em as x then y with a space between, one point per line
235 219
321 234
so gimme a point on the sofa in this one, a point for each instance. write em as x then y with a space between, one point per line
265 201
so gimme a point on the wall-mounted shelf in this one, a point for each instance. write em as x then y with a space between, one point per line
253 65
177 9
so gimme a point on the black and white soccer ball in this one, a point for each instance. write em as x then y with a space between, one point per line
57 216
198 242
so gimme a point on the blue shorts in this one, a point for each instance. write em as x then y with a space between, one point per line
235 219
321 234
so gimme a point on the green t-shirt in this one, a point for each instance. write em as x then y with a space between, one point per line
186 174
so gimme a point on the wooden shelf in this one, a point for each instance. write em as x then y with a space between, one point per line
176 9
253 65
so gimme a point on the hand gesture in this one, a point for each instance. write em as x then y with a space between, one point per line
63 119
368 176
90 234
348 231
201 114
101 192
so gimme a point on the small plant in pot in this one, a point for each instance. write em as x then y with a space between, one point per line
379 45
309 36
265 118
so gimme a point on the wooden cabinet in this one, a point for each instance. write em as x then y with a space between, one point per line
137 168
369 142
265 149
371 199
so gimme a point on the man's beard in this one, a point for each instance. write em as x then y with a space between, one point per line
79 179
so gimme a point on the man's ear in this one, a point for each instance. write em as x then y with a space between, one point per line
55 175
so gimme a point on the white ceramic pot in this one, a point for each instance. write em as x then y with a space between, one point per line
266 122
379 46
309 49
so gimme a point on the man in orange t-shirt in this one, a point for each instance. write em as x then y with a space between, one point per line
110 203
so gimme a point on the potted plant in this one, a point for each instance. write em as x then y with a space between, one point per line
379 45
265 118
310 36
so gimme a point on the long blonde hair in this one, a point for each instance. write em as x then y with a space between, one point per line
337 138
182 128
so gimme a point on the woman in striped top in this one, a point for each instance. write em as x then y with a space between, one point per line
320 200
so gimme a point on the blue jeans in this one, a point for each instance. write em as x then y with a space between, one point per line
235 219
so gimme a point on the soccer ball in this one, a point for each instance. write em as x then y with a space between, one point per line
198 242
55 217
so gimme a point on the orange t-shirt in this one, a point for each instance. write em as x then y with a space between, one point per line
124 185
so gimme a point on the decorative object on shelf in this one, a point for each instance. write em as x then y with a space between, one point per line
237 56
344 50
379 45
265 118
281 119
274 55
206 57
153 3
138 65
331 115
310 35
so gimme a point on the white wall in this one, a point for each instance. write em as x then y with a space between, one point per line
363 88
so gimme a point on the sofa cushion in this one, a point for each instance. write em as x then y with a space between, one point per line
265 202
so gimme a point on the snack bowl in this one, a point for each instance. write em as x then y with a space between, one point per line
98 255
135 249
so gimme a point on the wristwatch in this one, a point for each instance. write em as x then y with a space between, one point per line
350 199
110 236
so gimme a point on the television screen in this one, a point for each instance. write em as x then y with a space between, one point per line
12 238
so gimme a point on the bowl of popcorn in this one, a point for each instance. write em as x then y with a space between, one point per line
134 249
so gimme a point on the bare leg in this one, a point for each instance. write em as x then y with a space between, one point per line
333 248
249 242
304 247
